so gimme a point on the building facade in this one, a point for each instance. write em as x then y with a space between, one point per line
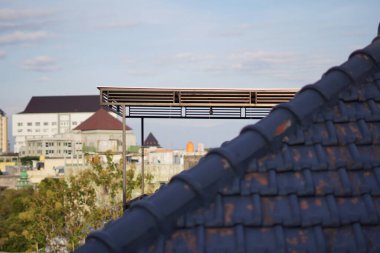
99 133
66 145
3 132
45 117
102 132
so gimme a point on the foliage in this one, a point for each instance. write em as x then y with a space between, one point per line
59 213
13 203
27 160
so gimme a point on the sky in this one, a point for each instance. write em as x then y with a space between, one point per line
72 47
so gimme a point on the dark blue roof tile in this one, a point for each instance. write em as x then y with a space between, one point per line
304 179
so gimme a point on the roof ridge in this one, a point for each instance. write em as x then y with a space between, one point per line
192 188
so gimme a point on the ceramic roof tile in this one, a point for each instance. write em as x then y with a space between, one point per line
101 120
304 179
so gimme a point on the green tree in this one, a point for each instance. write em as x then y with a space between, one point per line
46 215
65 210
13 203
27 160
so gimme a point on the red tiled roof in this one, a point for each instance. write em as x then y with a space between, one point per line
101 120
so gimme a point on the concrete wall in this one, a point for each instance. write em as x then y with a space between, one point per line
5 164
8 181
104 140
161 173
191 160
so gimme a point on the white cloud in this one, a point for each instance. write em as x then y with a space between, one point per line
2 54
192 57
235 31
40 63
43 79
265 57
15 14
118 25
17 37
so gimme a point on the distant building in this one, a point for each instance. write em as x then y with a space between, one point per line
99 133
45 117
60 145
3 132
151 141
165 156
102 132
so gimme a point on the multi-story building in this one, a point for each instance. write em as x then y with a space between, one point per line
3 132
102 132
60 145
47 116
99 133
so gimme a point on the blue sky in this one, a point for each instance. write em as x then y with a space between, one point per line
71 47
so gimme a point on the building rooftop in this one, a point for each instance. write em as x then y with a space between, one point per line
304 179
101 120
61 104
2 113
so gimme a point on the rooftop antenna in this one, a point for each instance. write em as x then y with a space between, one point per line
378 30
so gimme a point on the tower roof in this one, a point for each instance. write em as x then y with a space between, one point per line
151 141
101 120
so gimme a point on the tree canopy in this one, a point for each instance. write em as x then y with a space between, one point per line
59 213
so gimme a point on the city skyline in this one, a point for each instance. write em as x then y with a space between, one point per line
50 48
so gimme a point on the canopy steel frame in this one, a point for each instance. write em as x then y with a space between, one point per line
188 104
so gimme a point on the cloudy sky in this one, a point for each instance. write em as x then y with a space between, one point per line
71 47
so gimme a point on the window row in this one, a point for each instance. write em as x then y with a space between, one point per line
37 130
64 123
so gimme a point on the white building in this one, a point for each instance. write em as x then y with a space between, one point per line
99 133
57 146
45 117
102 132
3 132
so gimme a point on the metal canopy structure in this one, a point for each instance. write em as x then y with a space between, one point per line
193 103
187 104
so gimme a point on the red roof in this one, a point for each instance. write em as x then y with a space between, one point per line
101 120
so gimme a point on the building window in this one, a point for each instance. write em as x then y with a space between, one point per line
49 151
29 124
67 152
46 123
37 123
49 144
29 130
19 130
75 123
19 124
53 123
38 130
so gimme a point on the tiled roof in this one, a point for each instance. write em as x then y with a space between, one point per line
151 141
101 120
61 104
304 179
